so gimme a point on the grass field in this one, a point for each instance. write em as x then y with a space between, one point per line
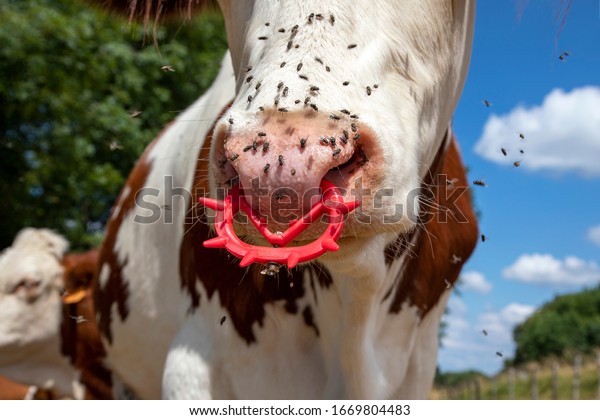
526 385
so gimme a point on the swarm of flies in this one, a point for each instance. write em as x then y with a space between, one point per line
312 92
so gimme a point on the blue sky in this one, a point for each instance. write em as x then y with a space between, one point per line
541 219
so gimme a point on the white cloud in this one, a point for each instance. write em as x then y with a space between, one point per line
593 234
515 313
561 134
466 346
475 281
545 269
499 325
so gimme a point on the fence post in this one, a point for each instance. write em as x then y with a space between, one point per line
495 385
534 383
477 389
598 362
576 377
555 380
511 383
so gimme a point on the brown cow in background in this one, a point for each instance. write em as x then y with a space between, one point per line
49 343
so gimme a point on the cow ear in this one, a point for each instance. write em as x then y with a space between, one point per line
42 239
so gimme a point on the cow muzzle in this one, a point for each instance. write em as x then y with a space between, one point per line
280 163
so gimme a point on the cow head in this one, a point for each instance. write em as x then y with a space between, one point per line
360 94
30 278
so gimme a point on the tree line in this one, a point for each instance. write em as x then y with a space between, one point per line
564 327
81 94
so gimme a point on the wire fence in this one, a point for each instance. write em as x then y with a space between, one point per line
579 378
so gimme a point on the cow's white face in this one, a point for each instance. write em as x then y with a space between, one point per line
381 79
30 278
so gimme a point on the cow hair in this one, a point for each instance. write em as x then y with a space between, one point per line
44 240
147 11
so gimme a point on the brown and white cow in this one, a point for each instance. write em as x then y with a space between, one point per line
49 343
382 80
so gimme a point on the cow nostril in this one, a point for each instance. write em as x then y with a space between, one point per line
342 174
228 175
346 164
232 182
358 159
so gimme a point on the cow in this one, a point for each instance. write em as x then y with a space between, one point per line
359 94
49 343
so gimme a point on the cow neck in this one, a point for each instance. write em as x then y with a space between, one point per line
80 338
435 251
80 341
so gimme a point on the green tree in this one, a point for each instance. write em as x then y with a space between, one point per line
81 94
567 324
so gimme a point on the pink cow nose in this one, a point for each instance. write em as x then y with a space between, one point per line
281 164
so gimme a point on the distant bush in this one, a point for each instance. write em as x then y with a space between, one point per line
568 324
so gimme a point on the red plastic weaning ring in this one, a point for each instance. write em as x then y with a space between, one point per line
331 203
